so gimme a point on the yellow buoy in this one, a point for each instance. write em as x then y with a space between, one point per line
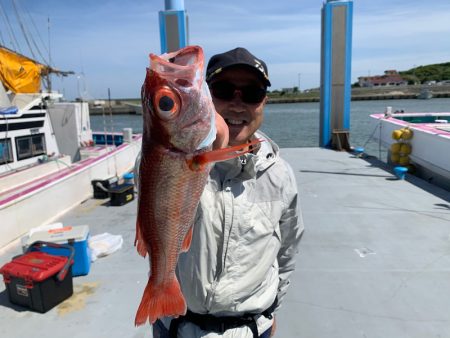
405 149
403 160
395 148
395 157
397 134
407 134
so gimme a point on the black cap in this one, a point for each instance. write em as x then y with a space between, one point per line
236 57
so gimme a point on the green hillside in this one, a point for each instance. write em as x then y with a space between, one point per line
436 72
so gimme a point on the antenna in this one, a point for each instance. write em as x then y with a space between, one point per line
49 43
49 55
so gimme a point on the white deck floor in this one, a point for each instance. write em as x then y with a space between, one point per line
374 261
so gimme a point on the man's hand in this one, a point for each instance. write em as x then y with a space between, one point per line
222 136
274 327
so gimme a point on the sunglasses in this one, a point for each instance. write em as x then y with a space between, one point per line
225 91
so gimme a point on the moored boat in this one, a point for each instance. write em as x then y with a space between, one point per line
49 155
428 144
425 94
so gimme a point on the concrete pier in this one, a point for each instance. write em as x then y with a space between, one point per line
373 262
117 107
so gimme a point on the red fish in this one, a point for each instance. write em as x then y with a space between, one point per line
176 157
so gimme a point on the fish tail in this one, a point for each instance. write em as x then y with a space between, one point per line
199 161
158 302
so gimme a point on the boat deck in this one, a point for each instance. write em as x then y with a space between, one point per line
428 125
21 182
374 261
20 186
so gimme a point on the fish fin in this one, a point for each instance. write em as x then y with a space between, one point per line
160 301
187 240
199 161
139 241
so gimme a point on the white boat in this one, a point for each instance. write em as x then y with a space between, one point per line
49 157
429 145
425 94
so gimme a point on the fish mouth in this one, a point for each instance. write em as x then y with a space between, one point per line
191 124
235 122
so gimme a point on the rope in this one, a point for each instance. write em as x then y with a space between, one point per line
2 41
378 126
22 27
27 34
39 36
373 133
12 36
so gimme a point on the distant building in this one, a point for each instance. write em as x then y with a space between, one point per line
390 78
289 90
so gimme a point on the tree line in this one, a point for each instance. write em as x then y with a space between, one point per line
422 74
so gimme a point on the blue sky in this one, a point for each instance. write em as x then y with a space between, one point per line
107 42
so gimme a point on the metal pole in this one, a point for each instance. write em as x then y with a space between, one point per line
173 26
335 87
174 5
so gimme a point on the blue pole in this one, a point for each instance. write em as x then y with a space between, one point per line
348 65
174 5
173 26
325 92
335 87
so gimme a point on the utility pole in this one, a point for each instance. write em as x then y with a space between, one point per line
299 75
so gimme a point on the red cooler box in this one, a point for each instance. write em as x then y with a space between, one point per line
38 280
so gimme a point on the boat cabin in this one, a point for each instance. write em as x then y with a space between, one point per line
36 127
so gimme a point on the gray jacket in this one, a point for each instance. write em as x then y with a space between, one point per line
245 238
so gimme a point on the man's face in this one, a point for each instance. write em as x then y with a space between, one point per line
243 118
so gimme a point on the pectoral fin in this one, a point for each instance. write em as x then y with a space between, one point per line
187 240
199 161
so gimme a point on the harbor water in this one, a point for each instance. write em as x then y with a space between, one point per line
294 125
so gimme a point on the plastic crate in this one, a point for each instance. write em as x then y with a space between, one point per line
38 280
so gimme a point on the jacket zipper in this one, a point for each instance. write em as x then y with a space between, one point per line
226 190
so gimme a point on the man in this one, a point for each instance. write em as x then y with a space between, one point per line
247 228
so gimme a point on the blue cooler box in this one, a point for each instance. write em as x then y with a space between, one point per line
77 236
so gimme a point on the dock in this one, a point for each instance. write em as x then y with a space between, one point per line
366 93
116 107
374 261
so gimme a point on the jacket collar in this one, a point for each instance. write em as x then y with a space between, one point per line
250 164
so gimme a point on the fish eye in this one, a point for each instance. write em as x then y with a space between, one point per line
167 103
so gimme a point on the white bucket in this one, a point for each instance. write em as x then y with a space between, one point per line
127 135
